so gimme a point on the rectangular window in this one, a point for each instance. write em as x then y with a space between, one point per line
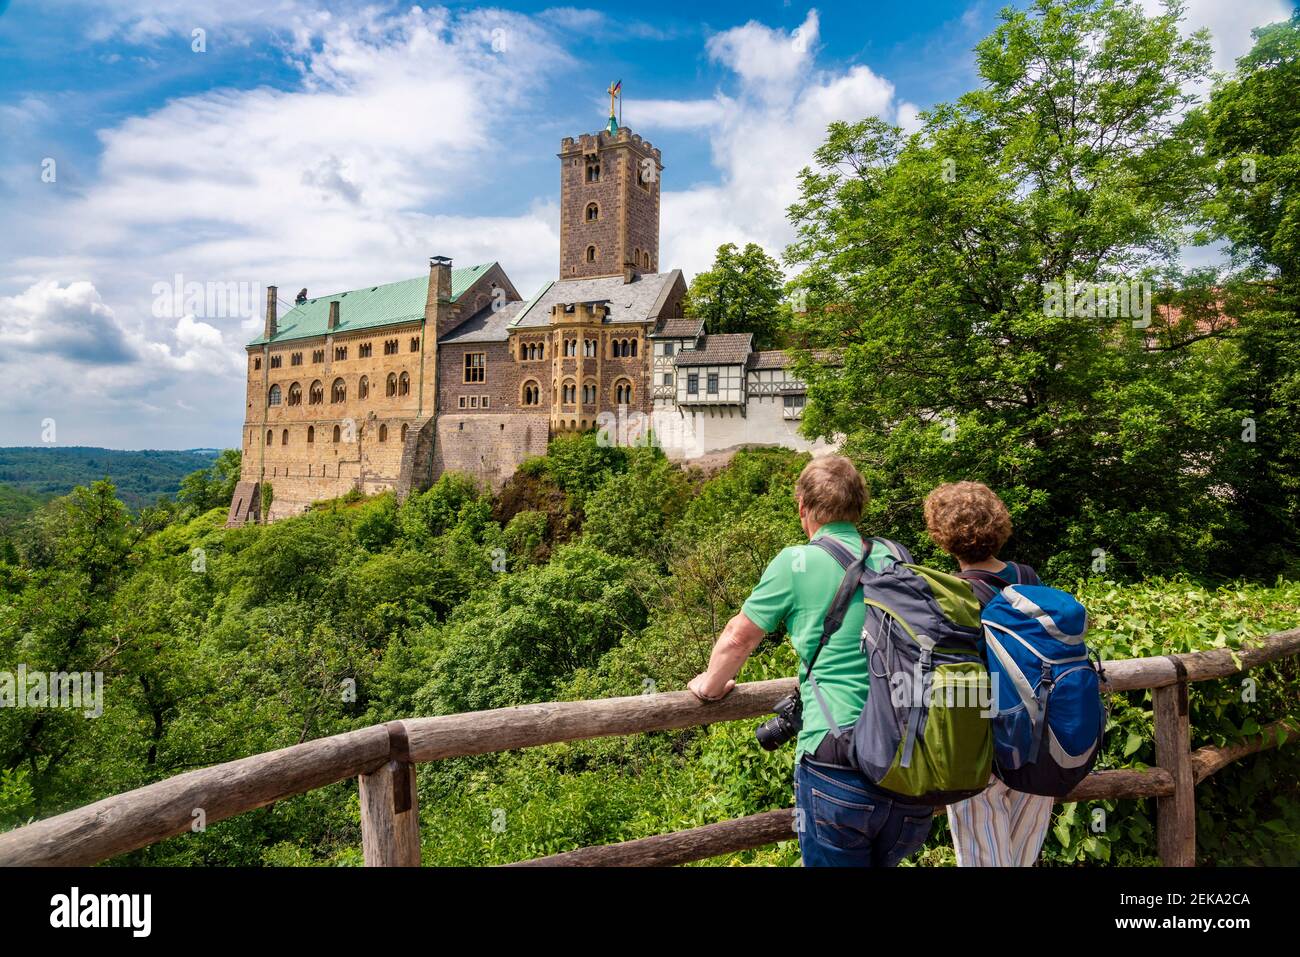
669 348
473 402
475 367
795 401
460 402
713 383
668 378
693 384
483 402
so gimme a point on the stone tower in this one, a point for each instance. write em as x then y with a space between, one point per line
609 205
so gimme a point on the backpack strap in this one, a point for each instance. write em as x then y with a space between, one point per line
898 552
985 584
853 571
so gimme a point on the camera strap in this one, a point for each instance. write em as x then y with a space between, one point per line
854 568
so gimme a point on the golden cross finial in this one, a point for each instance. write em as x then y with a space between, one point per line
613 91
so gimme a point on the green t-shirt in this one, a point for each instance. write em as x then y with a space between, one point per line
797 588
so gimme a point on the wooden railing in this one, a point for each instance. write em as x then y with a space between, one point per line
382 758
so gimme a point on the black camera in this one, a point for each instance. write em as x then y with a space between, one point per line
777 731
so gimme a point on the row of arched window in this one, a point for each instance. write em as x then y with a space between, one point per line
395 386
336 435
567 392
618 348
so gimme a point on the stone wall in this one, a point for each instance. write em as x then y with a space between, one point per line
489 446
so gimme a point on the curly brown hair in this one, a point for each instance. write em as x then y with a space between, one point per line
967 520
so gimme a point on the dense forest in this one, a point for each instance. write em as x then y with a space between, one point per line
31 475
1151 464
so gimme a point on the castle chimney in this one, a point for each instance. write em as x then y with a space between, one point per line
437 304
269 331
629 271
334 316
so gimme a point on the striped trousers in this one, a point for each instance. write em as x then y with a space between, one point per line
999 827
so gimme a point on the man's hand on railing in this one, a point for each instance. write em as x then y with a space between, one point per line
736 643
705 687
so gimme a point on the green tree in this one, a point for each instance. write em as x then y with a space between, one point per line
930 261
211 487
741 293
1253 124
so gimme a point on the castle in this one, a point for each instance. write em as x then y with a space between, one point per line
389 386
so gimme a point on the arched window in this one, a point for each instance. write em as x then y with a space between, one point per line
295 394
284 437
337 434
589 393
270 438
363 388
383 433
570 347
403 433
570 392
646 260
593 212
623 392
532 393
634 347
316 394
390 388
339 391
591 254
273 397
404 384
311 434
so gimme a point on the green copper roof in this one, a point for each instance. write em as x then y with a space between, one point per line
370 307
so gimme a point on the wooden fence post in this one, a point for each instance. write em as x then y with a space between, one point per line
390 816
1175 814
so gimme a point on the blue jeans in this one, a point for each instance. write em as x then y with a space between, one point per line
845 821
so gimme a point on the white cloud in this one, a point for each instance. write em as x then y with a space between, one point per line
1229 23
760 137
768 61
63 322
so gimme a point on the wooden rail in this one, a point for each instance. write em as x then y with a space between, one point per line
382 758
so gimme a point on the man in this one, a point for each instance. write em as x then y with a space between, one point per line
842 819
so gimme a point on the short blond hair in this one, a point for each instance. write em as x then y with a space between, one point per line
967 520
831 489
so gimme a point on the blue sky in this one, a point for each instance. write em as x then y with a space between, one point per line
331 145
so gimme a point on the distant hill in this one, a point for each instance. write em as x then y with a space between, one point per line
31 475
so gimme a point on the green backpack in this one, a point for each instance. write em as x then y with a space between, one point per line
924 733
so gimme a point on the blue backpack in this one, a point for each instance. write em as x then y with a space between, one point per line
1049 718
